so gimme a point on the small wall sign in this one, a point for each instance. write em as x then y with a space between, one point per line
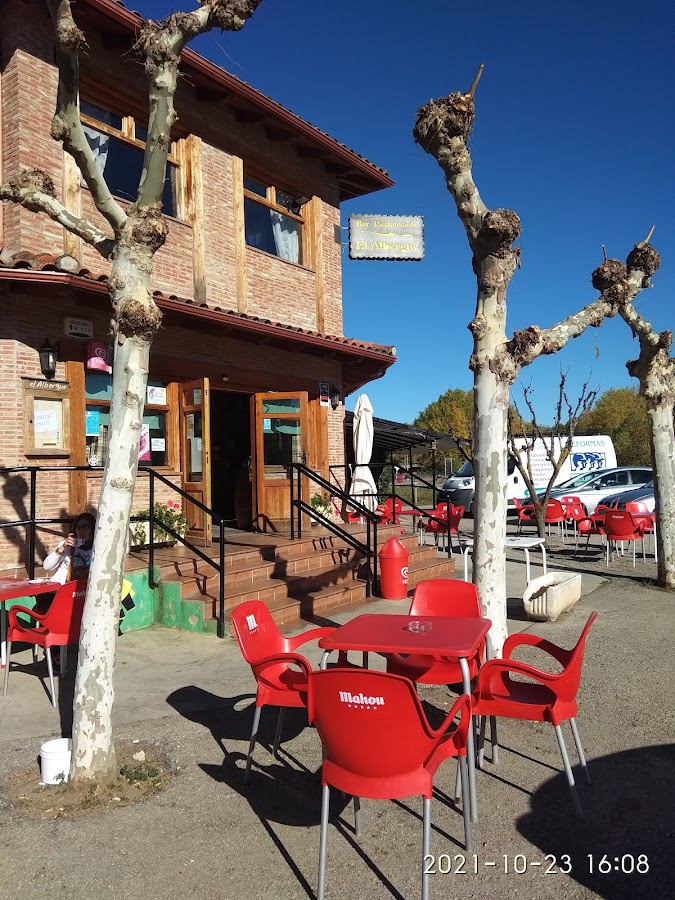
79 328
324 393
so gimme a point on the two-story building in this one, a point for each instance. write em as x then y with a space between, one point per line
250 368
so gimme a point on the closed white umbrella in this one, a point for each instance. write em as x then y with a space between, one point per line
363 486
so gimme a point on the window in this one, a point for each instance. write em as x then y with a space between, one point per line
272 220
118 143
153 450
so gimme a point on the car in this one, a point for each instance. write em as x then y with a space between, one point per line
643 494
608 483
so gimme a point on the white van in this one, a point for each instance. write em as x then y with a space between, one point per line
589 454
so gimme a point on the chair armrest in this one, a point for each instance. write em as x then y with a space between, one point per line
450 738
534 640
494 669
289 658
16 609
315 634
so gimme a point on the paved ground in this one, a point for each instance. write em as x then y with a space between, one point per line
207 836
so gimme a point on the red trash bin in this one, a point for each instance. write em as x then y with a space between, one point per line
393 570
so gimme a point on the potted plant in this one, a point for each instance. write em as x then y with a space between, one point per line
170 513
323 504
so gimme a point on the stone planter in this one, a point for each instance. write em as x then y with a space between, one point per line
549 595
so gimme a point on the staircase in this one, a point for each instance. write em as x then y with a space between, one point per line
304 579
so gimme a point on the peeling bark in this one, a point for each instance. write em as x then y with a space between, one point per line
136 237
442 128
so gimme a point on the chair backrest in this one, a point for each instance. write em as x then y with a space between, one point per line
638 508
570 499
445 597
456 514
554 510
618 523
64 616
575 510
256 631
568 685
370 723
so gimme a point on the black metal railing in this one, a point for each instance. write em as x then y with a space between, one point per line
31 523
300 506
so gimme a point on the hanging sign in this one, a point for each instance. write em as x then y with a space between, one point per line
99 357
324 393
386 237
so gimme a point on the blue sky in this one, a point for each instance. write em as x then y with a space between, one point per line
574 130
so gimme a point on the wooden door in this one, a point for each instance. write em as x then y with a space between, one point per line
196 456
280 436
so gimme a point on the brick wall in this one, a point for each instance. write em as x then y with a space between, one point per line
275 289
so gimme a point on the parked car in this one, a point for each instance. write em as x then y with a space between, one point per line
644 494
609 483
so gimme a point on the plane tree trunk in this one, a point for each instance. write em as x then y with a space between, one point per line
134 236
442 128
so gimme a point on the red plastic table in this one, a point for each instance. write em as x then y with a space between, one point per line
10 589
458 638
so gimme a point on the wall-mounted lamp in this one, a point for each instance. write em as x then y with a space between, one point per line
224 377
48 353
334 396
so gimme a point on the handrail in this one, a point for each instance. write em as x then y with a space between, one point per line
33 521
369 549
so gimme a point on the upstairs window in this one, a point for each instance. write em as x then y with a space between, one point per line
273 220
118 143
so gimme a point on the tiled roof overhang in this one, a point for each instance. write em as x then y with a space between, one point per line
355 175
361 362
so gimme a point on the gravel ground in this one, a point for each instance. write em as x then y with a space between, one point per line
208 836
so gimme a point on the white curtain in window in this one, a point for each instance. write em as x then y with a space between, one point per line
286 238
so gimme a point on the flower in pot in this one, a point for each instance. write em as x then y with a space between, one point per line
323 504
169 513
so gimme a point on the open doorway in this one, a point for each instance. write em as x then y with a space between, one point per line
231 489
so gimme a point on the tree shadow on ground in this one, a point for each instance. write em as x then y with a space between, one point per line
629 823
231 718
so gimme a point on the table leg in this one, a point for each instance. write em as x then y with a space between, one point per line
543 557
465 554
527 564
3 635
470 750
324 659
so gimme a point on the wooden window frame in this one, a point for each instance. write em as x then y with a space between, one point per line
127 134
270 202
42 389
172 466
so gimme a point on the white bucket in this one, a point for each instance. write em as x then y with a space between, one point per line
55 760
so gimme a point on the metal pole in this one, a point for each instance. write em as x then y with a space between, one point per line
433 477
413 491
221 583
299 504
151 530
31 532
292 507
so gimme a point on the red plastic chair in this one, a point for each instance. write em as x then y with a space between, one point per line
378 744
439 597
525 513
544 697
390 512
555 515
58 627
619 526
642 515
272 658
443 524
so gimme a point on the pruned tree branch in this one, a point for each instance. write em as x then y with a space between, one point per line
35 191
66 124
162 43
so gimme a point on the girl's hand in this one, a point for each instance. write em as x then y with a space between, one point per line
69 542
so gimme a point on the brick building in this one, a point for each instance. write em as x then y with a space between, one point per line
251 366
